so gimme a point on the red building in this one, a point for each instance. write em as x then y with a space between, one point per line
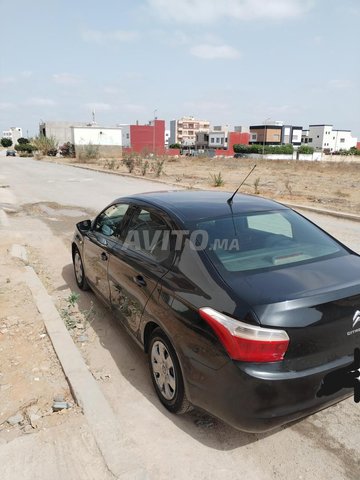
141 138
237 138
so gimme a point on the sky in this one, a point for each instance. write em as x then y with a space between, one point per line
236 62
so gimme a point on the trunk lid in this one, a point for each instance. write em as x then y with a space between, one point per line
318 304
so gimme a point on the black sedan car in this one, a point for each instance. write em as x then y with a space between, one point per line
245 308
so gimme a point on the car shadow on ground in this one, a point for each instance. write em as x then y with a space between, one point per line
133 365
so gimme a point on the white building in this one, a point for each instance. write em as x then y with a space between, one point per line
102 136
218 136
167 138
184 130
325 137
125 133
108 140
13 134
291 135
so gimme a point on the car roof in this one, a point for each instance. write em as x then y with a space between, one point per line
191 205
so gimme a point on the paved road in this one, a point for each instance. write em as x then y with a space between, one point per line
193 446
34 181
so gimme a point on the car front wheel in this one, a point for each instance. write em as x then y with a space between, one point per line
166 373
79 271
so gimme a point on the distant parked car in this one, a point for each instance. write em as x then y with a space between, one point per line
10 153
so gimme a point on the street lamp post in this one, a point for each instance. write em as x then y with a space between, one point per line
154 131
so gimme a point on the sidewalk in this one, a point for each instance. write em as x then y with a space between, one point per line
63 452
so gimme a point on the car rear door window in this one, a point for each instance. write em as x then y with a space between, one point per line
149 234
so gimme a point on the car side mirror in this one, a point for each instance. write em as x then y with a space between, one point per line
84 226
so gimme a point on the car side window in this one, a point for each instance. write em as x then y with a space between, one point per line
109 221
149 234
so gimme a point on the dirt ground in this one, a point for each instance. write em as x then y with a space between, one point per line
329 185
30 374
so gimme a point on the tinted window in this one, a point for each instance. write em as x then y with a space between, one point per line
265 240
109 221
149 234
270 222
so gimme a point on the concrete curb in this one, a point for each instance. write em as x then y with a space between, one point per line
333 213
120 454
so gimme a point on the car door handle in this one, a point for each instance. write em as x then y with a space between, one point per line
104 256
139 280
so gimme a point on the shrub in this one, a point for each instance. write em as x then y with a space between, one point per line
45 144
110 164
159 167
354 151
175 145
217 179
6 142
67 150
267 149
23 140
89 152
25 149
144 168
306 149
288 186
129 162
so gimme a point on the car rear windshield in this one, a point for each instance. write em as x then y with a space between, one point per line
264 240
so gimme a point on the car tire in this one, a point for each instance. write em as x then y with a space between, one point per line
166 373
79 271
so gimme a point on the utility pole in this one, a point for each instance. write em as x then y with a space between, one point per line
154 131
264 139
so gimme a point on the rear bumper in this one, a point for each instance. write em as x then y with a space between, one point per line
260 397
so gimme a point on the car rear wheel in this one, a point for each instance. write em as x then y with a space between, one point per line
79 271
166 373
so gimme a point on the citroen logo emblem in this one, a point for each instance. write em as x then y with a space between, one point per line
356 318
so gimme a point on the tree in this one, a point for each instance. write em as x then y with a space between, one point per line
6 142
175 145
23 140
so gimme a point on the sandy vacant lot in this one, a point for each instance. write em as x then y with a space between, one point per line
330 185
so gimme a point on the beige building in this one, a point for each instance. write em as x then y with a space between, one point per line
266 134
184 130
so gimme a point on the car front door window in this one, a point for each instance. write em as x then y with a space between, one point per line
109 221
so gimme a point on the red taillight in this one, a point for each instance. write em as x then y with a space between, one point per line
245 342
